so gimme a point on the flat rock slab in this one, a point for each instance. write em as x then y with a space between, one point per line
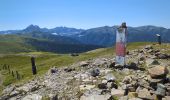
96 97
117 92
158 71
32 97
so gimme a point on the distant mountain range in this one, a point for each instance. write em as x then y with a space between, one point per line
68 40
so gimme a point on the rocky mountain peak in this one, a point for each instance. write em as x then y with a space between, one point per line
32 28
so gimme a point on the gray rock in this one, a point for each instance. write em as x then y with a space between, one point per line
112 85
33 97
53 96
53 70
166 98
123 98
154 82
8 90
14 93
155 62
69 69
148 47
117 92
86 87
84 63
96 97
135 99
102 86
127 80
104 81
150 62
162 56
161 90
142 58
95 72
110 77
133 65
145 94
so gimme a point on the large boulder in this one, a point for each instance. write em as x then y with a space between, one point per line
158 72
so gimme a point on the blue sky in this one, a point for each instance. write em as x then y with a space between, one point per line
18 14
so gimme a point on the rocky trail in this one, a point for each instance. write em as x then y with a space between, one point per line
145 77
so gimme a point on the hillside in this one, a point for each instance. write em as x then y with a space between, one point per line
45 60
68 74
14 44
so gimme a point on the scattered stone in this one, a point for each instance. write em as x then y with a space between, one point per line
158 72
166 98
112 65
96 97
155 62
134 99
23 89
117 92
69 69
149 62
110 77
104 81
117 66
161 90
142 58
144 94
148 47
102 86
33 97
154 82
14 93
95 72
127 80
8 90
123 98
84 63
162 56
111 85
74 54
53 96
133 66
131 89
86 87
132 95
53 70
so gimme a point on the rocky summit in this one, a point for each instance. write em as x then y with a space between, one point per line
145 77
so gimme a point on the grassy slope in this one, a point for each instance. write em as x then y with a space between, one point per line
45 60
16 44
